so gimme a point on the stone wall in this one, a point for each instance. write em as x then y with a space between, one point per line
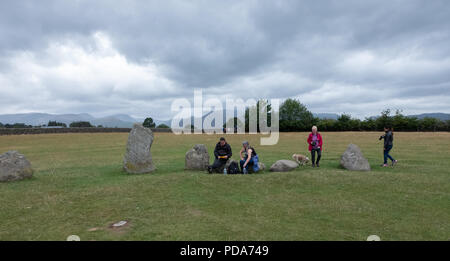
13 131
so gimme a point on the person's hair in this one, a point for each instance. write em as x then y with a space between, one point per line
389 128
314 127
222 139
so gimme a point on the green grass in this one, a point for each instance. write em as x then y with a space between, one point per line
79 185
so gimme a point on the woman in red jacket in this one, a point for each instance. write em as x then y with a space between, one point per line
315 145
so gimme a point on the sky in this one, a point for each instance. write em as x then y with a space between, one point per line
137 57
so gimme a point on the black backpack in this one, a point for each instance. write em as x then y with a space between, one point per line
233 168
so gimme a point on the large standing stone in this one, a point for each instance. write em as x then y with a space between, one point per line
353 159
138 158
14 166
197 158
283 165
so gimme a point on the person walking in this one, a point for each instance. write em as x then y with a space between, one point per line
388 145
315 143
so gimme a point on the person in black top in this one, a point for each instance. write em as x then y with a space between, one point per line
222 152
388 144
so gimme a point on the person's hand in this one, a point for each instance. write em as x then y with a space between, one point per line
225 157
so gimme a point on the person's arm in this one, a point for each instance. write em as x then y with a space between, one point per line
309 140
320 141
216 152
240 154
230 153
249 151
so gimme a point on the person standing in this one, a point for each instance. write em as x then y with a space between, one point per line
388 145
315 143
222 152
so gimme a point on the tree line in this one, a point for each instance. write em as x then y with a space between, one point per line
294 116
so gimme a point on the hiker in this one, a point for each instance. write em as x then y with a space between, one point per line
315 146
388 144
249 158
222 152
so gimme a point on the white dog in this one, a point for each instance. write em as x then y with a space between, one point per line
300 159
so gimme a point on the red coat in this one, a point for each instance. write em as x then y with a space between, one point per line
319 137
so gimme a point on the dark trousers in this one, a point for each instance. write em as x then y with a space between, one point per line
386 154
218 164
313 156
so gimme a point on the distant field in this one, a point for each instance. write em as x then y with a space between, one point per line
79 188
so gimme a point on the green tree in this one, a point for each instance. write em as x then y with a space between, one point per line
266 109
54 123
163 126
148 123
294 116
344 122
81 124
385 120
428 124
326 124
369 124
1 125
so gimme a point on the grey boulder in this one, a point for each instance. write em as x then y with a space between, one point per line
283 166
197 158
353 159
262 167
138 158
14 166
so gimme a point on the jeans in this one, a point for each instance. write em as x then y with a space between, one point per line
313 156
387 149
253 162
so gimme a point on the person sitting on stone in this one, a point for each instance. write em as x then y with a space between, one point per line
222 152
249 158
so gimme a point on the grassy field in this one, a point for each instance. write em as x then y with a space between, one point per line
79 188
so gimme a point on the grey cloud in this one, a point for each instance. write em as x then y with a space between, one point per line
227 45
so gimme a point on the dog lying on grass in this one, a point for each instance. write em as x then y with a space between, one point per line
300 159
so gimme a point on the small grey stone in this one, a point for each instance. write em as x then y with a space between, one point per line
14 166
138 157
353 159
262 167
283 165
197 158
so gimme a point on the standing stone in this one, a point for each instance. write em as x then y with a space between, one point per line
14 166
353 159
283 165
138 158
197 158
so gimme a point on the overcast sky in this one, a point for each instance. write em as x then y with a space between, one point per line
136 57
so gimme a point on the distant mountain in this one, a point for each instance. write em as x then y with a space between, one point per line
36 119
332 116
437 115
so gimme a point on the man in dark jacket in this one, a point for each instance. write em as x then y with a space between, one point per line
222 153
388 144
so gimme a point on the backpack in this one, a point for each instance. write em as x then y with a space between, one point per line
233 168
